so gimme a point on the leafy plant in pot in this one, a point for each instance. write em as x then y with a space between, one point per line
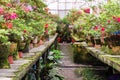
14 38
4 49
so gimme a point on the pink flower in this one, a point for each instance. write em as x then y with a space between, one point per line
9 5
118 19
87 10
25 8
46 31
13 15
1 10
102 29
30 8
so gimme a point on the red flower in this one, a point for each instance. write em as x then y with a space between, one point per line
24 30
9 25
87 10
46 31
59 39
7 16
102 29
46 25
114 17
108 21
96 28
118 19
73 40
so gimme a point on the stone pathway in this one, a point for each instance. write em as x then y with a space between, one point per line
67 67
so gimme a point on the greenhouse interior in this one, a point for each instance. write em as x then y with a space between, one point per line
59 40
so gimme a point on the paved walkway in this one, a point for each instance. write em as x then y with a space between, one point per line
67 68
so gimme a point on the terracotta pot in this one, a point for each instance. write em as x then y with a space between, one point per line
40 42
20 54
10 59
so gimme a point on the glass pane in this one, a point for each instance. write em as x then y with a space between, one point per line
69 5
62 6
53 5
61 1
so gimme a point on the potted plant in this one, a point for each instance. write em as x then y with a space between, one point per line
14 38
4 49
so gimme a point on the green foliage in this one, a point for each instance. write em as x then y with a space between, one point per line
89 74
15 35
53 74
106 49
3 36
55 56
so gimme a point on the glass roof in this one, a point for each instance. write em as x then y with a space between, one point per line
62 7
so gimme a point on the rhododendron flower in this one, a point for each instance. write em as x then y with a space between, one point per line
87 10
46 25
13 15
24 31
